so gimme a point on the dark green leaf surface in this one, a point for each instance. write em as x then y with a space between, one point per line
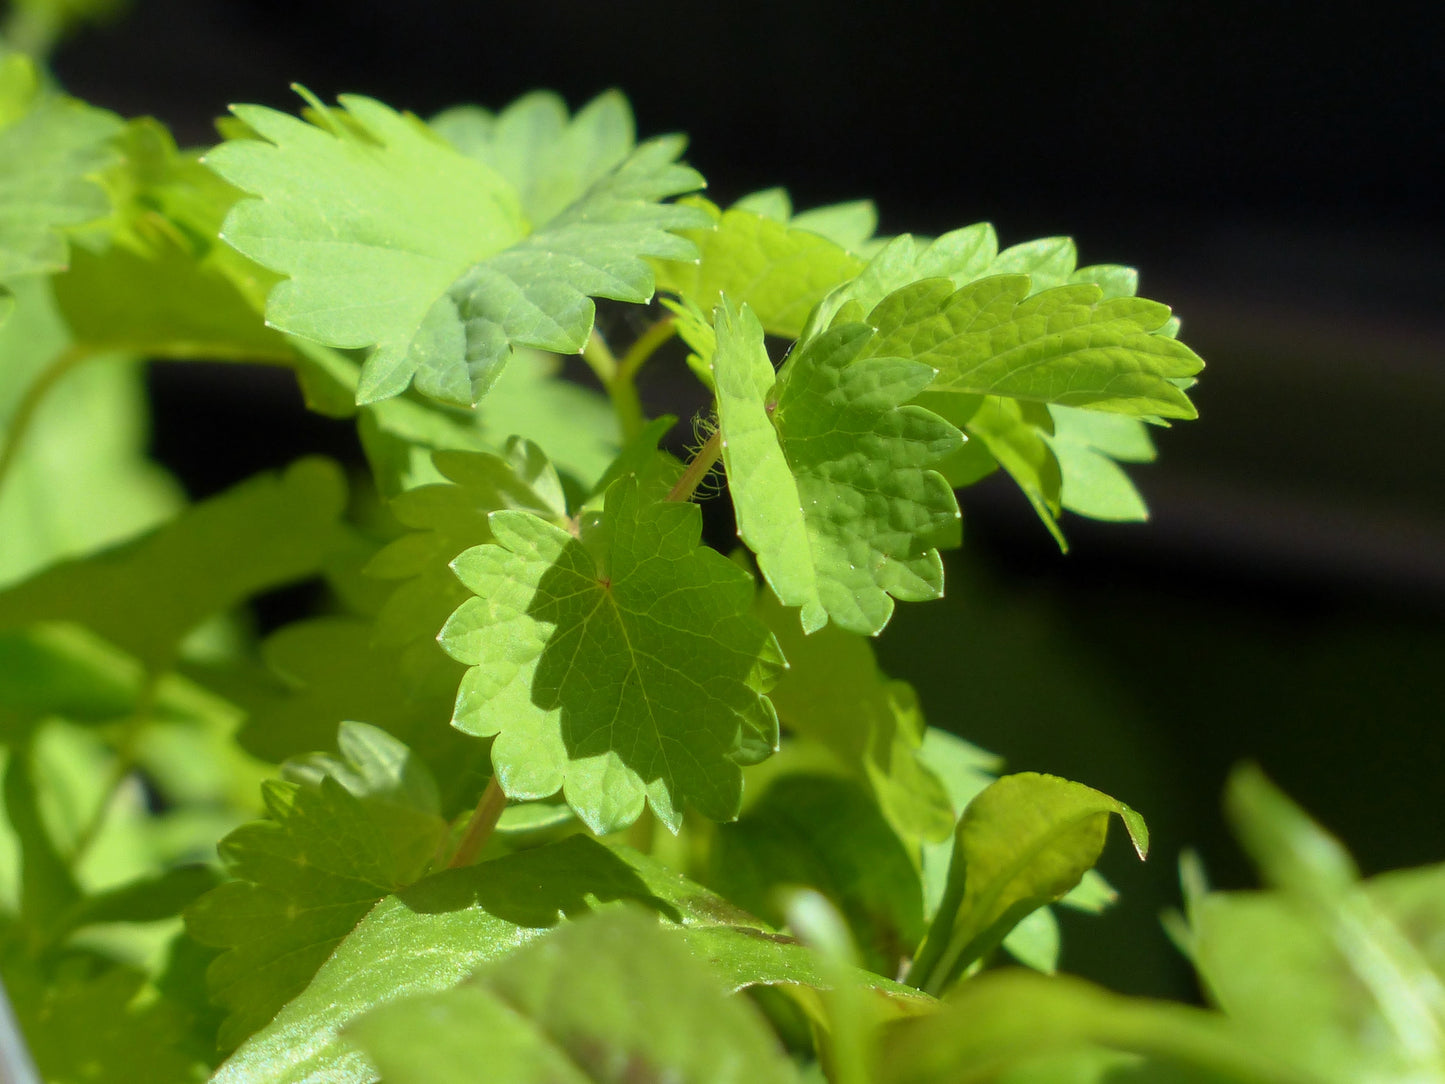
51 151
1023 842
335 845
147 595
619 667
830 473
834 694
825 833
779 271
395 241
433 935
1067 345
551 1013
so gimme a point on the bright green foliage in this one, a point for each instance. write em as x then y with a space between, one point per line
829 472
146 596
779 270
619 666
393 240
520 614
834 694
341 836
1068 345
51 150
1023 842
430 937
1355 987
551 1013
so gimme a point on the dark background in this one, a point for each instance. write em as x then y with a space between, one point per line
1275 172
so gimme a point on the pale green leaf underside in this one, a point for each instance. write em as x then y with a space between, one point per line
778 270
49 157
551 1014
621 667
850 224
830 474
549 159
1089 444
1067 345
396 242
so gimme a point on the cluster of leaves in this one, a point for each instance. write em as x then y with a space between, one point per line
572 748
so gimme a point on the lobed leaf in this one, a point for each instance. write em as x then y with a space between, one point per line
1067 345
396 242
619 667
830 473
779 270
550 1013
342 835
52 149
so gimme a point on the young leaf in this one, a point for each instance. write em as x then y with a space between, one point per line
1089 445
145 596
833 693
394 241
51 150
621 666
850 224
829 472
334 846
1024 842
550 1013
1066 345
1015 434
779 271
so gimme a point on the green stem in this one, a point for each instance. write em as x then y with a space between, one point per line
697 469
24 415
480 827
619 377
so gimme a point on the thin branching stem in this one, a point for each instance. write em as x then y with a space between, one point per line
24 416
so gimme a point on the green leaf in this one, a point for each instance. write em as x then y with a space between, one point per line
107 1026
619 666
1048 262
824 833
1023 842
779 271
394 241
335 844
834 694
1002 1024
431 936
1341 978
1014 433
549 160
446 519
145 596
850 224
1066 345
51 151
80 479
1088 445
829 472
961 256
550 1013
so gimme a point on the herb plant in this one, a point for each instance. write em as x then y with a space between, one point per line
550 789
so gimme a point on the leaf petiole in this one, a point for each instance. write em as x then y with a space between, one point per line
481 825
697 469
